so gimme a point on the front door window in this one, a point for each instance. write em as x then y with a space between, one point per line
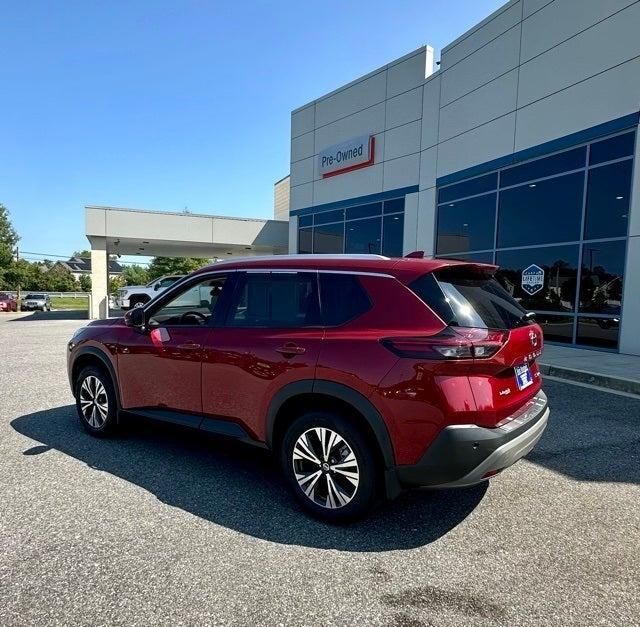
193 306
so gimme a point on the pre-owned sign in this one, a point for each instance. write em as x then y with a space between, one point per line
355 153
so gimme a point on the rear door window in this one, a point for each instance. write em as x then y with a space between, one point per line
465 298
277 300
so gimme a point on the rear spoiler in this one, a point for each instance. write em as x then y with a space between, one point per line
463 267
481 267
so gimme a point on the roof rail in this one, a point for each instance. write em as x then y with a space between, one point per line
296 256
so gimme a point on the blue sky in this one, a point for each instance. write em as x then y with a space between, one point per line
166 105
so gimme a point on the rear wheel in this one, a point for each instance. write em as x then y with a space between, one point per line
96 402
329 466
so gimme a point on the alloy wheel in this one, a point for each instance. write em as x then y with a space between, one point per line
325 467
94 402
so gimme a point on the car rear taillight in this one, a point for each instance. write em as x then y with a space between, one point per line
459 343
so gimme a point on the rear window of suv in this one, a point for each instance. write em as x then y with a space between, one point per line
464 298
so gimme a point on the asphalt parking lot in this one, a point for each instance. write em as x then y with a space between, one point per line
161 526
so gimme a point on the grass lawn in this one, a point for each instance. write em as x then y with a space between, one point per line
68 302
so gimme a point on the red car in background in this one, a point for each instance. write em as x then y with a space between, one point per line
365 375
8 302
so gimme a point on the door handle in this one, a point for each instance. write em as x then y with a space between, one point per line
290 349
188 346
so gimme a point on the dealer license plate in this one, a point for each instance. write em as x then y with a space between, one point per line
523 376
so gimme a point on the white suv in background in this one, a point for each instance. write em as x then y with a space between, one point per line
138 295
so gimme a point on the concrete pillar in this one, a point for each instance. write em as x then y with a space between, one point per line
99 286
629 335
293 235
426 235
409 240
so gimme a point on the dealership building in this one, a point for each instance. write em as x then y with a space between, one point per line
519 148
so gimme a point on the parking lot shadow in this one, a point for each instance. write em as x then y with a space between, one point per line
57 314
239 486
591 435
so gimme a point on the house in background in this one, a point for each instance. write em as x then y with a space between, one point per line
79 266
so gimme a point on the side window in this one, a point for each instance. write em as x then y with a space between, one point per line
342 298
192 306
168 281
276 300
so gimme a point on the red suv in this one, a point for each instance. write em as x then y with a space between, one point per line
365 374
8 302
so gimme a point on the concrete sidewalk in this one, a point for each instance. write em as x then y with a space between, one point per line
607 370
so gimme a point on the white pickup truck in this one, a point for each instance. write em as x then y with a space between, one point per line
138 295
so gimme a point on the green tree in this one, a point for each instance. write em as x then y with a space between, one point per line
59 279
135 275
160 266
86 254
115 283
8 239
17 273
85 283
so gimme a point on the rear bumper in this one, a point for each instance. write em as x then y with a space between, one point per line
462 455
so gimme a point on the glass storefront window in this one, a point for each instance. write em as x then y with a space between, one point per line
305 241
328 216
555 164
541 213
556 328
466 225
363 236
364 233
364 211
394 205
393 235
613 148
329 238
608 193
478 185
602 274
549 218
599 332
558 285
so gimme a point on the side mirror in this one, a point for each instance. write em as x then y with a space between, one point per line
134 317
156 287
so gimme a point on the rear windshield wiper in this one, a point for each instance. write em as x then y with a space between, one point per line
528 316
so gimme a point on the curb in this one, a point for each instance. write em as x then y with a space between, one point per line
630 386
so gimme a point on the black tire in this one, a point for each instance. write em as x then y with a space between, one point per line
138 301
319 502
94 420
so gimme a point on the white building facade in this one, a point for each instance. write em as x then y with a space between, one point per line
519 150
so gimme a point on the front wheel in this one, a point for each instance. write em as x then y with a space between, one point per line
96 402
138 301
329 466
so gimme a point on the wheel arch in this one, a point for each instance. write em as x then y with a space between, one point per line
89 356
292 399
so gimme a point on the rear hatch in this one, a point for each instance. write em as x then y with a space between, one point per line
504 341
